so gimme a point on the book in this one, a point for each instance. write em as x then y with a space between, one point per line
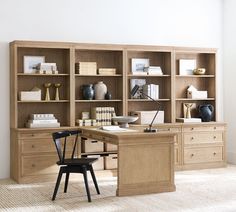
42 125
42 121
41 116
189 120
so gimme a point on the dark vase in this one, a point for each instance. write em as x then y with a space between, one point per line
88 92
108 95
206 112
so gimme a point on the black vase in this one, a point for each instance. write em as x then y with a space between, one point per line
206 112
88 92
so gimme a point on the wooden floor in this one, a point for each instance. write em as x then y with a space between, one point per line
197 191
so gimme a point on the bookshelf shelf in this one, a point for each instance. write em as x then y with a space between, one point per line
43 101
98 75
87 101
42 75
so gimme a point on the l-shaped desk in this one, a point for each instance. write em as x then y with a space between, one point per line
145 160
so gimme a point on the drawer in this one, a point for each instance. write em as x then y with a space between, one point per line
111 161
42 145
99 164
90 145
169 129
204 128
201 138
35 135
203 155
177 156
42 164
110 147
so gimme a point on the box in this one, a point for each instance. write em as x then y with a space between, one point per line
99 164
146 117
111 147
111 161
197 94
90 145
30 95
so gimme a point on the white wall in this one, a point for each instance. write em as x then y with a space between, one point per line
156 22
229 59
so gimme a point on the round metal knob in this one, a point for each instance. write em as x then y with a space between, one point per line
192 138
32 146
192 155
192 128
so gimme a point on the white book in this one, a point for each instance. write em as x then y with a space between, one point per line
42 121
38 116
32 125
189 120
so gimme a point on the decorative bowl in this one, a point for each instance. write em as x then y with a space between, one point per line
124 120
199 71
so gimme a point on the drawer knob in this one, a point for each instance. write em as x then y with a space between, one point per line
192 128
214 128
168 129
214 153
32 146
214 137
192 155
32 135
33 165
192 138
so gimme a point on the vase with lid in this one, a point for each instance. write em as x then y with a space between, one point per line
100 90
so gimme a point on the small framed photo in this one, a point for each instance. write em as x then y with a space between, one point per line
138 65
31 62
186 66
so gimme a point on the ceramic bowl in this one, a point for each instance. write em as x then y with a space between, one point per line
124 120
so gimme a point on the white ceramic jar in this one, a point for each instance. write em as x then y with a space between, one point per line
100 90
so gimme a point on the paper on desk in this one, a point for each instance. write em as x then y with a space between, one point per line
115 128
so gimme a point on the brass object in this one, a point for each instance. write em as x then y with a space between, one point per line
57 96
188 111
47 96
199 71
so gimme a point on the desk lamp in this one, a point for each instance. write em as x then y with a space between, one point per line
133 92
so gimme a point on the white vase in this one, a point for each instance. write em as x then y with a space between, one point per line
100 90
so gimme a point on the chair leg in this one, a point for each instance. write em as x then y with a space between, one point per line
57 184
86 183
94 178
66 181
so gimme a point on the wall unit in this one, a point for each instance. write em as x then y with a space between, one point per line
32 153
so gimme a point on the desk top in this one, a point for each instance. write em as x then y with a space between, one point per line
132 133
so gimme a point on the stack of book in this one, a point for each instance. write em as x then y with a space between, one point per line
86 68
107 71
153 70
86 122
42 120
103 115
151 90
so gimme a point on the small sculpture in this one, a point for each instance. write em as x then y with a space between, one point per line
47 96
188 111
57 96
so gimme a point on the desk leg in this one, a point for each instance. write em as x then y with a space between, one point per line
145 165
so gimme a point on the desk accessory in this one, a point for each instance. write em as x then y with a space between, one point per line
133 92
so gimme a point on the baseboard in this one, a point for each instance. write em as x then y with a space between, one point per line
231 157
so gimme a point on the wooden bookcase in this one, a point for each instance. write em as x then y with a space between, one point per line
32 155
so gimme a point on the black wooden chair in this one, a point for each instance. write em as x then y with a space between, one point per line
72 164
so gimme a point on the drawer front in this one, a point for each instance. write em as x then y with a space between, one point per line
200 138
43 145
41 164
204 128
38 145
169 129
203 155
111 161
35 135
110 147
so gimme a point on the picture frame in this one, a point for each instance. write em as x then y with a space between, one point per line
138 65
186 66
31 62
140 83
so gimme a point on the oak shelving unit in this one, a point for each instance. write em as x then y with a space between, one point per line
32 153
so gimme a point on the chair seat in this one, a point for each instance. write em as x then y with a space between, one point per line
77 161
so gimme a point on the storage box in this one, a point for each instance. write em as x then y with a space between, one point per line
99 164
111 161
197 94
30 95
146 117
90 145
111 147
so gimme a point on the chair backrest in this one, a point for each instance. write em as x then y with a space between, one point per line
60 140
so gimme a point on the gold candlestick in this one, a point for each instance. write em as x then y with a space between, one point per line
188 111
57 96
47 96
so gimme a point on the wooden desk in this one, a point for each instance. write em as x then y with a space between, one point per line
145 160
